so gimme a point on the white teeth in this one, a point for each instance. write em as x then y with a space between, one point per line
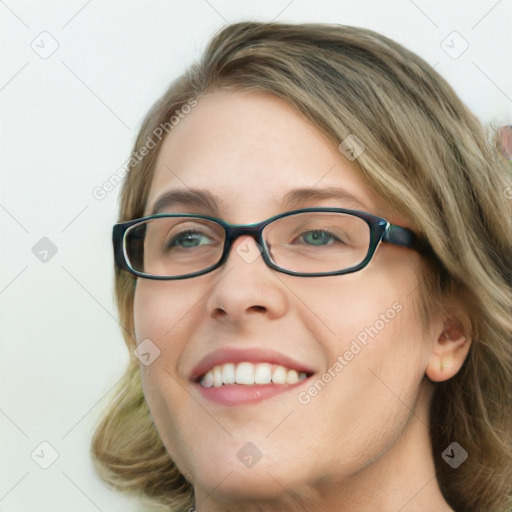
207 380
249 374
244 373
263 373
217 376
279 375
228 373
292 377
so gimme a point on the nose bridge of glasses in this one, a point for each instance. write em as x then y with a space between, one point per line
233 233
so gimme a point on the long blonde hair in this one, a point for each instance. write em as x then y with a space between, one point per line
428 156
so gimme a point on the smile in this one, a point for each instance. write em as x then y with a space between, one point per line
233 376
250 374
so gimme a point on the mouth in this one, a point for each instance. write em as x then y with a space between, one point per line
242 377
250 374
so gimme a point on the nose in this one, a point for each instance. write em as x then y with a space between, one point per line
246 248
246 287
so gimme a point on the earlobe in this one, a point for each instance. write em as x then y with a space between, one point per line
449 351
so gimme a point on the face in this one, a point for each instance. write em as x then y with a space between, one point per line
357 337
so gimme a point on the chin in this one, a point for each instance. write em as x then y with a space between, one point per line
241 470
230 483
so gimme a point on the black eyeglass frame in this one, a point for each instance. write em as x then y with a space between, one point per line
380 231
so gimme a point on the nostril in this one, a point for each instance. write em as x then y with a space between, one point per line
219 313
258 308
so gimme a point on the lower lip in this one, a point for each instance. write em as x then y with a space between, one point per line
238 394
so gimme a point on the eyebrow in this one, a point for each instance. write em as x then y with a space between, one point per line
299 196
200 198
187 197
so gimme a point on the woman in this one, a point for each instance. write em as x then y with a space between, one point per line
313 277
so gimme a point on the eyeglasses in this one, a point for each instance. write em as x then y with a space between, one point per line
310 242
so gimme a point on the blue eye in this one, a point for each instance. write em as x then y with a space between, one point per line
188 239
318 237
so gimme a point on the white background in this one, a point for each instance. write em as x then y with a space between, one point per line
67 123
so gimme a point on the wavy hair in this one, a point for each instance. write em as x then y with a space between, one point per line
426 155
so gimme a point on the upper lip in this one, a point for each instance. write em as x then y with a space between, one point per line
252 355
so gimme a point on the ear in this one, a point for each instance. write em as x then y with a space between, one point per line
449 351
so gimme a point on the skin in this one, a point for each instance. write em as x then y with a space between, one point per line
361 443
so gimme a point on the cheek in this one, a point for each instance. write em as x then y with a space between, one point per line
369 307
161 309
377 350
360 405
147 311
164 314
163 319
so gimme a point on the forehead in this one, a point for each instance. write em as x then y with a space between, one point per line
249 150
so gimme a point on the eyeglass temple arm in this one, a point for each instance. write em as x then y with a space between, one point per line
404 237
